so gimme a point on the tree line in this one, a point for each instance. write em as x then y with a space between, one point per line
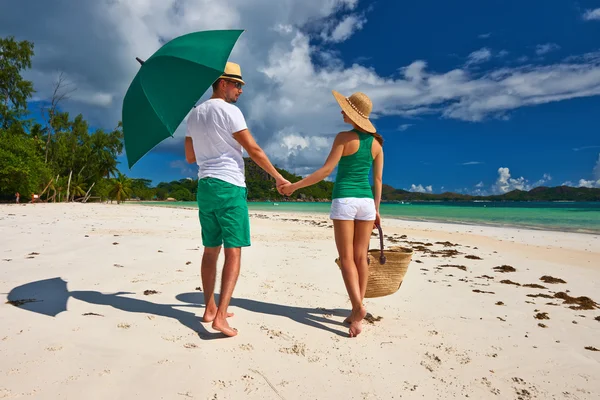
55 156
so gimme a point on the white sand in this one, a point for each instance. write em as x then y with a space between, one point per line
437 339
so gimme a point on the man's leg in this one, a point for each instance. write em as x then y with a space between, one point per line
231 271
208 271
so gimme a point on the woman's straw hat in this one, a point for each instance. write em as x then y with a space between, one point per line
357 107
233 72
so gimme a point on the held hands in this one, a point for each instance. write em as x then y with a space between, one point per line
284 186
280 183
287 190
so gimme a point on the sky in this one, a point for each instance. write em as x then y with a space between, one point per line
478 97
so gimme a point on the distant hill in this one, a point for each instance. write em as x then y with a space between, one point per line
261 187
542 193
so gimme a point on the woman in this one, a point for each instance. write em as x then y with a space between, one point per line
354 208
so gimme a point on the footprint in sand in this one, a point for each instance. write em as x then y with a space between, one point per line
525 391
222 384
298 349
248 381
172 338
486 382
124 325
431 362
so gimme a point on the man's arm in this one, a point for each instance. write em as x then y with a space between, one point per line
245 138
190 156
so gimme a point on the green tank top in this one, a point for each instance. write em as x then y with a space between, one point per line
352 178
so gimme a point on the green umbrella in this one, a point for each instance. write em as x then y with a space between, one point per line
169 84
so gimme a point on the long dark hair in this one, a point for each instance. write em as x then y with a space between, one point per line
377 137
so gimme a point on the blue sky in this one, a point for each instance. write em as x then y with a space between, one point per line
471 96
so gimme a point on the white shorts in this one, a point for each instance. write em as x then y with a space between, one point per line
351 208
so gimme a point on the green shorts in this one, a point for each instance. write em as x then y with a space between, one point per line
223 213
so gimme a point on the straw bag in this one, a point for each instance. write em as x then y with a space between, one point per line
386 268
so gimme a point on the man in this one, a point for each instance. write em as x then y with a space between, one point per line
216 134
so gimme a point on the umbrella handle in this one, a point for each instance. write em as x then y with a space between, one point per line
140 61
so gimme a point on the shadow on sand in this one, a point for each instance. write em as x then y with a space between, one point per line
49 297
313 317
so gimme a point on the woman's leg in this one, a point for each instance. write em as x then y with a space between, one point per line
362 237
344 240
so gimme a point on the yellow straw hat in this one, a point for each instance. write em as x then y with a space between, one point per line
232 72
357 107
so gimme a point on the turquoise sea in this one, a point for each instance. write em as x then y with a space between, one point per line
563 216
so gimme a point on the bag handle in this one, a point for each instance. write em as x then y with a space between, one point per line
382 258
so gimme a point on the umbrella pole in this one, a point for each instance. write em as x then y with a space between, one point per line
140 61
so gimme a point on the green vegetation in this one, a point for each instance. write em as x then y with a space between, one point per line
59 159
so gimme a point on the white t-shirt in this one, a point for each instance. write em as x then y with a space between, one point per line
211 126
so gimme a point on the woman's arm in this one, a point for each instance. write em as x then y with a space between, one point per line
337 149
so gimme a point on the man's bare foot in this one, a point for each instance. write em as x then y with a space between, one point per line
209 315
222 326
347 321
356 322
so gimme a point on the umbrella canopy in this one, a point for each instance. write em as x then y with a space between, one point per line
169 84
48 297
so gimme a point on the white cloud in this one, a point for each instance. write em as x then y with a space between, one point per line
404 127
184 168
472 163
298 153
479 185
503 53
479 56
542 49
585 148
590 15
597 169
589 184
505 183
420 188
567 183
542 182
485 35
344 29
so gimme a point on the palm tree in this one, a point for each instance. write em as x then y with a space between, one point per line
78 187
121 188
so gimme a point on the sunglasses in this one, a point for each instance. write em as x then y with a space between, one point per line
238 85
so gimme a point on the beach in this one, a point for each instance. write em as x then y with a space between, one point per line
107 301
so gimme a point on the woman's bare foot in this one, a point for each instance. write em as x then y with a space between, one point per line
222 326
356 321
210 314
